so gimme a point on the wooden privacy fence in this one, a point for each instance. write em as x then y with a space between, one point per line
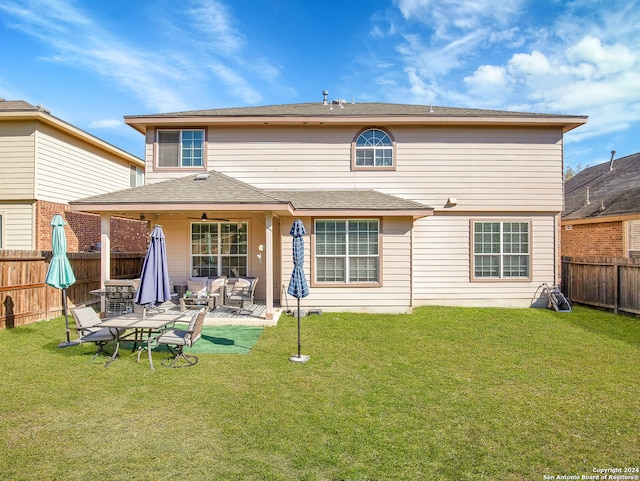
611 283
25 298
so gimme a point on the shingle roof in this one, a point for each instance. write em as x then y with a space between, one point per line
347 199
16 106
216 188
617 190
366 109
219 189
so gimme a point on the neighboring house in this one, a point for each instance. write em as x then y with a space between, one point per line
45 163
404 205
602 210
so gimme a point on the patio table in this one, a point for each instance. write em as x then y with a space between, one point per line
139 324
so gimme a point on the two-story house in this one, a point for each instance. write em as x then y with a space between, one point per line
46 162
404 205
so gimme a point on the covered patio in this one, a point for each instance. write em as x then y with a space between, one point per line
218 226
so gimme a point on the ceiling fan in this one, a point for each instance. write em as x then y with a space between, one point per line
205 218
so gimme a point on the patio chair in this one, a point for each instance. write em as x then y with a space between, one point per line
242 292
177 339
86 319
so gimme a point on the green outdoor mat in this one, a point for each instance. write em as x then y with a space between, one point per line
226 340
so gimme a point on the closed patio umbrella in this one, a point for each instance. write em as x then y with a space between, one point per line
298 287
60 274
154 279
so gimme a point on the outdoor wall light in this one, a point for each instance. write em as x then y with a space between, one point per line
203 218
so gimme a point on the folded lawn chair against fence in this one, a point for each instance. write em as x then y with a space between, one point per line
86 319
177 339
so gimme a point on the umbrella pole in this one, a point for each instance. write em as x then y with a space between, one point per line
298 327
66 321
66 314
300 358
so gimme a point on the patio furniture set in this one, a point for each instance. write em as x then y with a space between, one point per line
128 322
214 293
144 330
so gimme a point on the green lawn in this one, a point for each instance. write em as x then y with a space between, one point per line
442 394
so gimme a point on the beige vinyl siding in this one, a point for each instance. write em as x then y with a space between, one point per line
392 296
442 254
18 225
492 172
69 169
507 169
17 160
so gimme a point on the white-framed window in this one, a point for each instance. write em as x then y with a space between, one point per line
347 251
219 249
1 230
180 148
373 149
501 249
136 176
634 238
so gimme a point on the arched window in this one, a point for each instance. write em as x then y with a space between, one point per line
373 148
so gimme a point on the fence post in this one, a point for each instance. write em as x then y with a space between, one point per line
616 287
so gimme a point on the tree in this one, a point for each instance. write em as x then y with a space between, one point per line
570 172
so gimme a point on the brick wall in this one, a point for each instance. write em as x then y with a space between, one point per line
604 239
83 230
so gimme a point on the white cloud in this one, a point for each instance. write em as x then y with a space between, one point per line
487 75
534 63
163 77
106 124
605 59
446 17
214 26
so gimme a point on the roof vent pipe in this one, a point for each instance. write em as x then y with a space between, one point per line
613 152
325 94
588 201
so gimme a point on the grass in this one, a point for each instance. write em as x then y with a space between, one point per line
441 394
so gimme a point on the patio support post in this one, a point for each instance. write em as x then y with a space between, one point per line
105 254
268 222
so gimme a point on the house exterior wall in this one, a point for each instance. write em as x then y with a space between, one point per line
602 239
492 172
17 161
394 293
485 169
442 253
69 169
18 224
83 230
43 168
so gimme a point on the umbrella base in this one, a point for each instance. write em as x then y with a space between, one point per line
69 344
299 359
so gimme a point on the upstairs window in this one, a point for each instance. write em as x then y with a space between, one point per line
180 148
136 176
501 250
373 149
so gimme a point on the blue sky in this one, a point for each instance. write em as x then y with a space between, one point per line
92 62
